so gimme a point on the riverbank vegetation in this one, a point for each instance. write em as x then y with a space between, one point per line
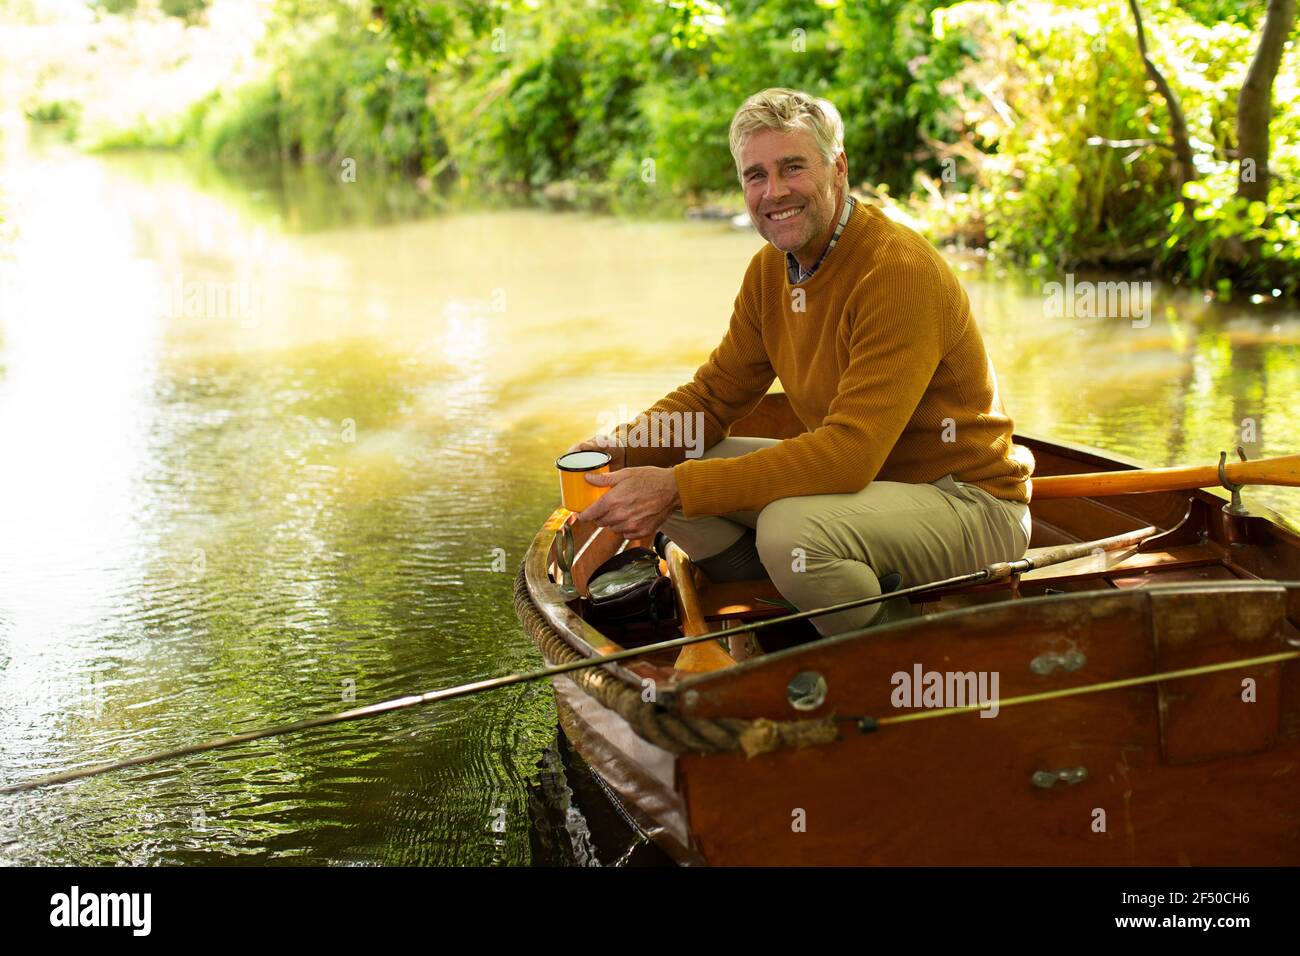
1146 136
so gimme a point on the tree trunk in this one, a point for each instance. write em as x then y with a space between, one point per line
1184 167
1255 102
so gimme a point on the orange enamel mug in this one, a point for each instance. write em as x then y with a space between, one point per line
575 493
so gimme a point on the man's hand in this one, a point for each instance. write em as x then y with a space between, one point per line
617 453
639 500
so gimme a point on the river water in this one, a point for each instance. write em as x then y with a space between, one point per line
275 447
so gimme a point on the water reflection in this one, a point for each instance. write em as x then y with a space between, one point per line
280 501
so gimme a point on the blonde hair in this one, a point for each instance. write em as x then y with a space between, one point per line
785 111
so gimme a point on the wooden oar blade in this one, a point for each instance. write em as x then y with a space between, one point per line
694 658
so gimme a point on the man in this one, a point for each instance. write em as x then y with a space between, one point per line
907 466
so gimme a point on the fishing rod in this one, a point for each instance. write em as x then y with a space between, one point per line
993 572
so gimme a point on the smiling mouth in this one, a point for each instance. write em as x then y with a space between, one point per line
783 214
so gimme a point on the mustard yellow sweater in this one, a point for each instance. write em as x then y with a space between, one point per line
882 362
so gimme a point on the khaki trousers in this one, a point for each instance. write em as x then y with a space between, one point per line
828 549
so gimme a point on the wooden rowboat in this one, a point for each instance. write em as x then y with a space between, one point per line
1103 752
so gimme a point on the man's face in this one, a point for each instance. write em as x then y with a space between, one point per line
791 192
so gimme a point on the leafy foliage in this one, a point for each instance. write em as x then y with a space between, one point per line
189 10
1027 124
1071 146
332 92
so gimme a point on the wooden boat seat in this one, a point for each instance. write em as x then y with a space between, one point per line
741 600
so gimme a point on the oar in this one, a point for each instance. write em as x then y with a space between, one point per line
993 572
694 658
1284 470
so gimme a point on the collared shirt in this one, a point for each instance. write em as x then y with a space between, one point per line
792 267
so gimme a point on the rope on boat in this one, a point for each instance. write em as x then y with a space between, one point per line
653 723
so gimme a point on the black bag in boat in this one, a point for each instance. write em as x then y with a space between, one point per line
628 588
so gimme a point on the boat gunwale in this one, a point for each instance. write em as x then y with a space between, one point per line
550 602
1105 600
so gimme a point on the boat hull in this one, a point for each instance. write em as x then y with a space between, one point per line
1104 750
